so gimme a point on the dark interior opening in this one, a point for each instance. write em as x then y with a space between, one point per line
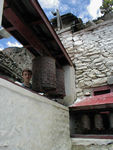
101 92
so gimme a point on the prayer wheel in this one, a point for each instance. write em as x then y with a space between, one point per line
98 122
60 87
85 122
44 74
111 120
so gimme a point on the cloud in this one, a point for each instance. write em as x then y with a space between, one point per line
84 16
1 47
49 3
15 44
64 7
94 8
73 1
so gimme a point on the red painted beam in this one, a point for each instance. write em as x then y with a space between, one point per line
10 29
27 46
36 22
24 30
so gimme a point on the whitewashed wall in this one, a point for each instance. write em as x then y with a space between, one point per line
29 121
91 50
1 10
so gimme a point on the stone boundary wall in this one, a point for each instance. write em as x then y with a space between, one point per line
91 51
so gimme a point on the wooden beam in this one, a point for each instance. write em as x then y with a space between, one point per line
27 46
37 22
24 30
10 29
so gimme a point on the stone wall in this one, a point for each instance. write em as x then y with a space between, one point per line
30 121
91 51
20 56
9 68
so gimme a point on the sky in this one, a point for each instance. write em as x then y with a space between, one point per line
84 9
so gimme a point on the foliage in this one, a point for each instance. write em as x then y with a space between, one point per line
107 6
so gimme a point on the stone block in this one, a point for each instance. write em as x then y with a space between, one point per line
109 63
78 43
99 81
87 92
98 60
110 80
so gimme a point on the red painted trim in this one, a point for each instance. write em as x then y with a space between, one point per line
94 101
102 88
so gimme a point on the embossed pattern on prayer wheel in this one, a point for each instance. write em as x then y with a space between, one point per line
44 74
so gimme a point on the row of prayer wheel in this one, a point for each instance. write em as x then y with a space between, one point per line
98 121
47 78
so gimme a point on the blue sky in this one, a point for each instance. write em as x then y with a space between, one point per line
85 9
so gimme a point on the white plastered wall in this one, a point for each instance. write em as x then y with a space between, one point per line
29 121
1 10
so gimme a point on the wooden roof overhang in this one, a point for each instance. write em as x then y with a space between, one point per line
26 21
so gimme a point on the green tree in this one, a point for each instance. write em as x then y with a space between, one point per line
107 6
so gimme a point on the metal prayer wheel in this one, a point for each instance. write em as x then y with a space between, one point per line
98 122
85 122
111 120
44 74
60 87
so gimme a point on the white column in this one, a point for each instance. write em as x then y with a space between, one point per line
69 79
1 10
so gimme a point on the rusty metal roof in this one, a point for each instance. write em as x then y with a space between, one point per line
26 21
100 101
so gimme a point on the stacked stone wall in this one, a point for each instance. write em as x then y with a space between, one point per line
91 51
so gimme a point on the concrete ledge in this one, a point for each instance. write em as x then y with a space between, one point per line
29 93
87 142
30 121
